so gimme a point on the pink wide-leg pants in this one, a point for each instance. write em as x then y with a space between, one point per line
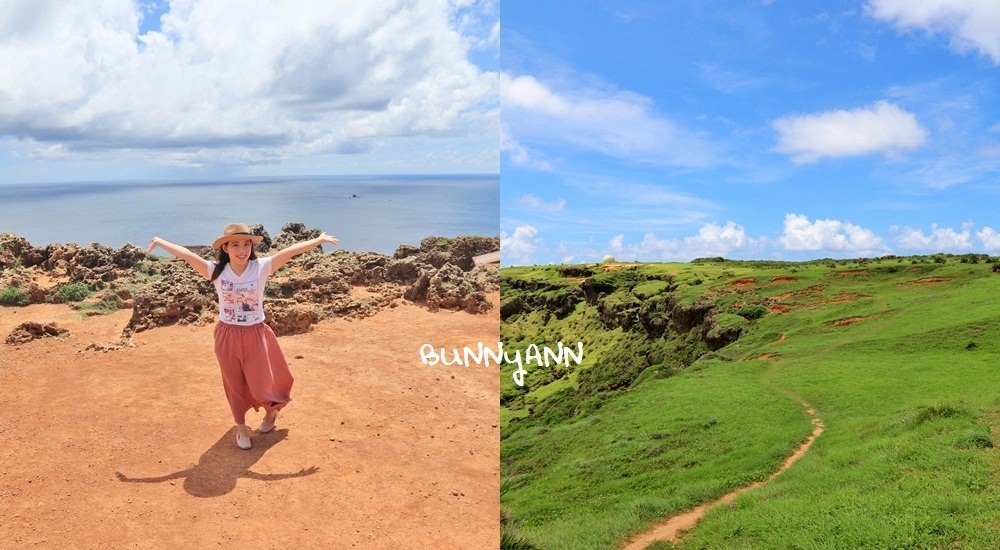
254 371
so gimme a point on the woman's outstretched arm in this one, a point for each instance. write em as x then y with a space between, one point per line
197 262
281 257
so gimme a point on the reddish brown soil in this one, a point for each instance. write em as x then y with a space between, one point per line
802 292
136 448
852 273
784 279
850 320
927 280
744 282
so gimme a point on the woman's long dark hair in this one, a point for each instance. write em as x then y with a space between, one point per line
224 259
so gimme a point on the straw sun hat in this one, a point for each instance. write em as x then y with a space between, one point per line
236 231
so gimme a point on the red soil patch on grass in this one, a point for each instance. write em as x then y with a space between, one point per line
850 320
744 282
808 290
852 273
928 280
784 279
779 309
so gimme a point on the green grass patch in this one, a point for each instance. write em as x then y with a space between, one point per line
896 354
73 292
14 296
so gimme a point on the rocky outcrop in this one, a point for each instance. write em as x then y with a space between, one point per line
293 233
31 330
438 251
264 245
183 298
439 274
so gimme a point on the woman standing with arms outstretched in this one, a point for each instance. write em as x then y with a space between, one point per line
254 371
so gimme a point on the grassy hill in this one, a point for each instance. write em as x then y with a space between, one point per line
693 381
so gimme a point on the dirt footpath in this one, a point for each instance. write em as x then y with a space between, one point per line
136 448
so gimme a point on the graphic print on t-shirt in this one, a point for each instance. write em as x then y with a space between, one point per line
239 301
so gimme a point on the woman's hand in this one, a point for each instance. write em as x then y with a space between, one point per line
328 239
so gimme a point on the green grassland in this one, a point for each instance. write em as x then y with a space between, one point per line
692 385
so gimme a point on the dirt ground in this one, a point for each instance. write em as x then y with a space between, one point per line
136 448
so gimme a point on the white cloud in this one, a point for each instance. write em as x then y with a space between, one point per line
226 81
940 239
615 123
882 128
519 154
519 248
969 24
711 240
828 235
719 240
536 203
990 238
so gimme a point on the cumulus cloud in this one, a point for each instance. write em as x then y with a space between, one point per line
240 81
719 240
990 238
940 239
711 240
882 128
519 248
970 25
619 124
828 235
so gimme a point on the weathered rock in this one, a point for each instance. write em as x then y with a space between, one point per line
127 256
288 317
264 245
16 250
449 289
184 298
405 271
717 338
292 233
462 250
440 274
318 285
32 330
405 251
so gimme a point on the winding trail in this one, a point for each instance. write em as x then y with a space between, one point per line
672 528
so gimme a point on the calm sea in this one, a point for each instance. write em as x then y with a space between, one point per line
367 213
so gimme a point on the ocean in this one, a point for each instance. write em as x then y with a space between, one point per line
367 213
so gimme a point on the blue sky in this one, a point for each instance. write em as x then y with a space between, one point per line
188 89
668 130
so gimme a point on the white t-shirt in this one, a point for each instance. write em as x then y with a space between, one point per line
241 297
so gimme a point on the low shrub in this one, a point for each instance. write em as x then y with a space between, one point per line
74 292
14 296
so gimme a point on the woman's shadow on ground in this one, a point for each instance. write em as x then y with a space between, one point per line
222 464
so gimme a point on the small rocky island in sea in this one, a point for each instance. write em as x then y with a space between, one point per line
442 273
